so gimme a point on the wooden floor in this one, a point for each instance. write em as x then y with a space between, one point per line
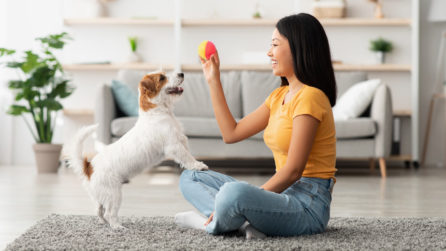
27 197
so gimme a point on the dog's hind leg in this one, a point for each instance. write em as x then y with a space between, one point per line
112 208
100 212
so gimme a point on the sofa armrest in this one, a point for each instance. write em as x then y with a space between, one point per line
105 112
382 114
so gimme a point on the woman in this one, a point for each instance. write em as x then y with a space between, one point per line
299 130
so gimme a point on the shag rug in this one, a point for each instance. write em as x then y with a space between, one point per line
73 232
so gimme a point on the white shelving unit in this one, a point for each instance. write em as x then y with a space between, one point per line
228 67
117 21
178 24
233 22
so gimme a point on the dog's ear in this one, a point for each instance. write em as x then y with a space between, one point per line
148 89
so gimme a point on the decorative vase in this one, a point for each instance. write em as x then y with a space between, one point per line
134 57
47 157
99 9
379 11
380 57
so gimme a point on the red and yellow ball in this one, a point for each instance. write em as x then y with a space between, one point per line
206 49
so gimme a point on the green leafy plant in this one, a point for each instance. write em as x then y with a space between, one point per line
381 44
41 86
133 43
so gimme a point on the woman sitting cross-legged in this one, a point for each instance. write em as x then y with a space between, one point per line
299 130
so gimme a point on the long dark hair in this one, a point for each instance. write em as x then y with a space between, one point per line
311 53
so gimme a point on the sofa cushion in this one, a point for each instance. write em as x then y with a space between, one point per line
256 87
196 101
131 78
344 80
355 128
126 98
200 127
192 126
205 127
355 100
121 126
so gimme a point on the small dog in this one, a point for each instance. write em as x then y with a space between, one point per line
157 135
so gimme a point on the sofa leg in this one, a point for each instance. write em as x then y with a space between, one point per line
382 167
372 164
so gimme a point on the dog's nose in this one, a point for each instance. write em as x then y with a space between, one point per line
180 75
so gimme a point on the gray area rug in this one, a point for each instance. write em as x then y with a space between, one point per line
70 232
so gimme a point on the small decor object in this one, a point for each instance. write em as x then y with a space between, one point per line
258 11
381 47
102 8
206 49
378 8
134 57
329 8
42 87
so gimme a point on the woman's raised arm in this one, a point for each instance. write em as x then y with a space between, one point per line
231 130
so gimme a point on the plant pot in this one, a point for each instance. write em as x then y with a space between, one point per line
134 57
47 157
380 57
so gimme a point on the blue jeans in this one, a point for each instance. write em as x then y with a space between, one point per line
303 208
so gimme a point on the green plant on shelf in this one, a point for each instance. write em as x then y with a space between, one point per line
381 45
42 85
133 43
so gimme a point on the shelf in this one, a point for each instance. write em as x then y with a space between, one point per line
230 67
372 67
117 21
78 112
272 22
234 22
337 67
402 113
366 22
228 22
115 66
402 157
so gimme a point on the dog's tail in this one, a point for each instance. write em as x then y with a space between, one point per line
74 152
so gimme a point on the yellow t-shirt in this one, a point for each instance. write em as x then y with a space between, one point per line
277 136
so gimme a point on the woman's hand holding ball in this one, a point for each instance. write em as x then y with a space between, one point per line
209 61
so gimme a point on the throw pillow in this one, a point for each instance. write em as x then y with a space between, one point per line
126 98
355 100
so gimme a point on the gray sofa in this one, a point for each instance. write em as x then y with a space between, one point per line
368 136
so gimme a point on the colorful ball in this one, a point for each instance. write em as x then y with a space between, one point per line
206 49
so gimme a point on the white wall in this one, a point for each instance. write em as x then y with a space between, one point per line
21 22
5 97
430 44
28 19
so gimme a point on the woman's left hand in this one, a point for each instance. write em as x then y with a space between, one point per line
209 219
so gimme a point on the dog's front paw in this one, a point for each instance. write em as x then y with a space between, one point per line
197 165
102 220
117 226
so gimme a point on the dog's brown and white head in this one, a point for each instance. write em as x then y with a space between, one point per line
157 89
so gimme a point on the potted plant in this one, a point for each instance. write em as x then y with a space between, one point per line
134 57
258 12
381 46
38 92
